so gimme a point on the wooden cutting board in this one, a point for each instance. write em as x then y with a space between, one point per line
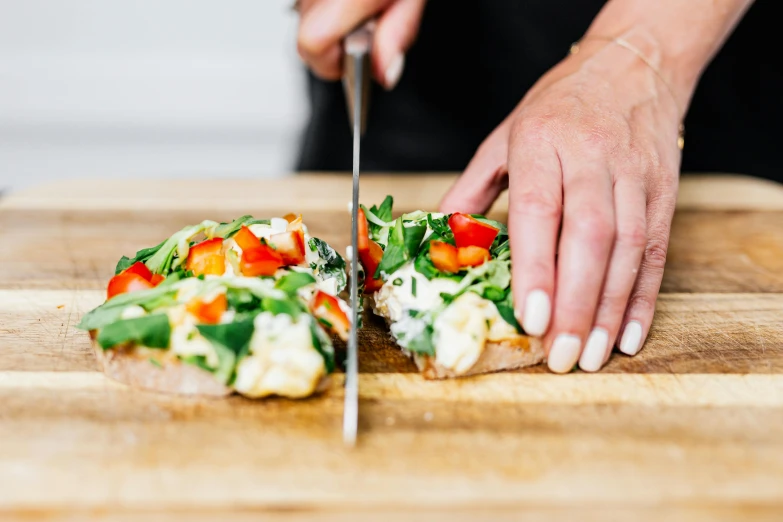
690 429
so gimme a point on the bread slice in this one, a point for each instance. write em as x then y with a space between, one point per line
132 366
508 354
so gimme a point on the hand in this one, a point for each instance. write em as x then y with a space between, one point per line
591 148
324 23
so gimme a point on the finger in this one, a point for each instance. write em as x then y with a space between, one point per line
485 177
534 212
630 203
322 28
641 306
395 32
583 256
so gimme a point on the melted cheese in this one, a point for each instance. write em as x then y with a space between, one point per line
394 301
282 360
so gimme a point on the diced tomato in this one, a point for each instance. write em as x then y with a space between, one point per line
140 269
207 258
157 279
472 256
370 255
290 246
444 257
260 261
469 231
326 308
210 312
246 239
125 282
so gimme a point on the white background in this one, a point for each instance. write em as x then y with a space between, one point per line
147 88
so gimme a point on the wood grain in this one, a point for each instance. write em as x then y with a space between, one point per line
691 429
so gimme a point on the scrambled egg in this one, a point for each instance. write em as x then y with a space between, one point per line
282 360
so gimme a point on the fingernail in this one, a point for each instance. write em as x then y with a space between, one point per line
595 350
394 71
564 353
537 313
631 341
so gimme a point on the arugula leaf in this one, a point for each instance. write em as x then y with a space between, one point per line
404 242
163 260
279 306
384 211
293 281
506 310
229 340
111 310
142 255
226 230
379 219
152 331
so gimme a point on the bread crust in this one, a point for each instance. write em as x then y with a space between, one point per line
129 365
509 354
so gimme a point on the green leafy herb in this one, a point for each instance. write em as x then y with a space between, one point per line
155 362
333 265
279 306
164 258
228 340
142 255
397 282
152 331
227 230
441 229
111 310
323 344
413 286
404 242
197 360
422 343
293 281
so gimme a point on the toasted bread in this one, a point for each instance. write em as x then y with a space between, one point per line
509 354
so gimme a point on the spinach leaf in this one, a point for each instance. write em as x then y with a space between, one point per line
152 331
229 340
384 211
163 260
404 242
323 345
293 281
142 255
111 310
332 265
422 343
197 360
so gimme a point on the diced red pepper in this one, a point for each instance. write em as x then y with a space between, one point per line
326 309
290 217
444 256
246 239
370 254
125 282
140 269
297 227
260 261
472 256
207 258
469 231
157 279
210 312
290 246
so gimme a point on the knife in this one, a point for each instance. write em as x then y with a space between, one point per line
356 82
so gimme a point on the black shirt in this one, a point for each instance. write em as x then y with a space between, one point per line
474 60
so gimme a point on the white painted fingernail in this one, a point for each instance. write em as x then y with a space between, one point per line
564 353
595 350
537 312
631 342
394 71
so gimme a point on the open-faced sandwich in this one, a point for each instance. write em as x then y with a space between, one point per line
443 284
247 306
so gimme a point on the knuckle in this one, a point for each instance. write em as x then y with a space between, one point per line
655 254
310 46
595 227
532 129
642 302
540 204
632 234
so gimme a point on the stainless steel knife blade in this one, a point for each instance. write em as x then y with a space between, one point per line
356 82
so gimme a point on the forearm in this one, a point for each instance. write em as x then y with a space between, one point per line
678 37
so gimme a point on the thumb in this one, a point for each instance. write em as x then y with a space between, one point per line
484 179
395 32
